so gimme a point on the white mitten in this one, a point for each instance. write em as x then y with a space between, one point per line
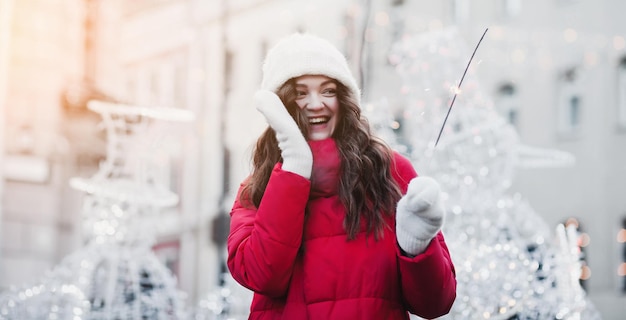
296 153
419 215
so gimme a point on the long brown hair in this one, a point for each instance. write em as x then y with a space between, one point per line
367 188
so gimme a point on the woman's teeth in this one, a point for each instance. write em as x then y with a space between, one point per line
318 120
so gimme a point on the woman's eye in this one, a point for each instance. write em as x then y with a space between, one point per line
330 92
300 94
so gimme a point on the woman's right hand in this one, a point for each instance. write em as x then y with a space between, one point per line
296 153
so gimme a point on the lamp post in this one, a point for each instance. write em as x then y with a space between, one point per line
621 270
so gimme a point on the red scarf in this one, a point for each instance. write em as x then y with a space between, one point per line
326 168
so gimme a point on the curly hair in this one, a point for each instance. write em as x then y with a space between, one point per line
367 188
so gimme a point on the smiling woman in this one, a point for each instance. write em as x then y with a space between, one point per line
332 223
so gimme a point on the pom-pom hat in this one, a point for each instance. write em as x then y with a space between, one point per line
306 54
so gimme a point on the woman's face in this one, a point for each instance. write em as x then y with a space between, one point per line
316 96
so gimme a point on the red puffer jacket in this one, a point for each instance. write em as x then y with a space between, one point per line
304 268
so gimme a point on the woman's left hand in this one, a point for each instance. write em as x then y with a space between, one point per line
419 215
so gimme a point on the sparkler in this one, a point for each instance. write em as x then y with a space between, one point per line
458 88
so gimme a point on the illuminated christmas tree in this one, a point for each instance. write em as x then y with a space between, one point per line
115 275
510 264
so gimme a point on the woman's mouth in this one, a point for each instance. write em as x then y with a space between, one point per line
318 120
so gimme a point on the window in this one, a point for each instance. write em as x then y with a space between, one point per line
511 8
161 81
507 102
460 10
569 102
138 6
567 2
621 93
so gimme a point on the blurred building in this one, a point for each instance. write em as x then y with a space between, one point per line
44 54
557 68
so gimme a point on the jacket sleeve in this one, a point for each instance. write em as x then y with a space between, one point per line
263 242
428 280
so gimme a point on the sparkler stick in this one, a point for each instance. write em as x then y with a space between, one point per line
456 91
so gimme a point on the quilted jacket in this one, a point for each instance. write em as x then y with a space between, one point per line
303 267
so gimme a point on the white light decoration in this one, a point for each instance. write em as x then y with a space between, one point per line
229 301
115 275
509 264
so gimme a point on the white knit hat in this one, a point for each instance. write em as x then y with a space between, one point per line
301 54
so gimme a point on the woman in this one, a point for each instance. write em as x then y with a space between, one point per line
331 223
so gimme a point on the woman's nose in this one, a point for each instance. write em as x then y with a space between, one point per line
315 102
